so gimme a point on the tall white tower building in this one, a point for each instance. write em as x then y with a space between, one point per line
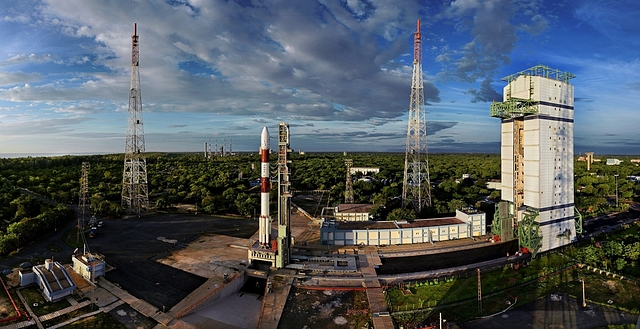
537 160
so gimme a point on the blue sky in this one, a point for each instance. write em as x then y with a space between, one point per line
339 71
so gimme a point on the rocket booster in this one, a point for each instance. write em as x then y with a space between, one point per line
264 222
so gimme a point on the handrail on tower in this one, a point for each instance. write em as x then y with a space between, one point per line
541 71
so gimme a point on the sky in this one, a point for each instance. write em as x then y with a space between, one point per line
338 71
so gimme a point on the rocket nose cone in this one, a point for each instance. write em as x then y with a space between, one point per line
264 138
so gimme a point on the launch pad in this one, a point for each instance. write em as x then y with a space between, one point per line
276 251
258 253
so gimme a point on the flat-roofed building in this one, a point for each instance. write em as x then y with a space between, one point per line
350 212
465 224
90 266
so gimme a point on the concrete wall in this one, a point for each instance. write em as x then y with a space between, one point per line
225 291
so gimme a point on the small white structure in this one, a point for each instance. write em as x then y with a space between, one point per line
90 266
364 170
613 162
466 224
51 277
350 212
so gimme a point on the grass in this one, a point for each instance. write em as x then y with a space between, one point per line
444 291
100 320
70 238
599 290
32 296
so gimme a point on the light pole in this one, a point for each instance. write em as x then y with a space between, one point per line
584 299
616 176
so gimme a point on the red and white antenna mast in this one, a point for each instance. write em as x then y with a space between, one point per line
416 190
135 195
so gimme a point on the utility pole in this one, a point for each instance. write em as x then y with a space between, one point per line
616 176
416 189
479 294
584 298
135 195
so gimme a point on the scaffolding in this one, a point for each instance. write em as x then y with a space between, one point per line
529 231
284 197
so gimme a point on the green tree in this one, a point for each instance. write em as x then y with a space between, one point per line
400 214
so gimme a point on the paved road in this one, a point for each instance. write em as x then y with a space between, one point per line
559 311
39 249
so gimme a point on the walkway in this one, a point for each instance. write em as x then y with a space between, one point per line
139 305
273 303
63 311
377 303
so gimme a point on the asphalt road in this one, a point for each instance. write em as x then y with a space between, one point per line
557 311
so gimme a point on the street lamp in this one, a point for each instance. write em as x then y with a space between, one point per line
584 299
616 176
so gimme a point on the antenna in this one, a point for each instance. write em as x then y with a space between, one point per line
416 189
135 194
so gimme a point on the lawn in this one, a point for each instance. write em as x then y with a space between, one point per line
100 320
599 290
431 293
38 304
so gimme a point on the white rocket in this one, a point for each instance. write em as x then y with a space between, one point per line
264 222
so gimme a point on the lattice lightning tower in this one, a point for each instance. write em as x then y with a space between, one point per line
83 206
348 191
415 189
135 195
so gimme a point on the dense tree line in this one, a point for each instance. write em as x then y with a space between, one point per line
619 254
225 185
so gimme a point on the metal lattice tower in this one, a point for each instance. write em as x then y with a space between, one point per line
284 197
348 190
135 194
416 190
83 205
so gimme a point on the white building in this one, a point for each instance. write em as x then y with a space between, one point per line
466 224
613 162
352 211
537 158
51 277
89 266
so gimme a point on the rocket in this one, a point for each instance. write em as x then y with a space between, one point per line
264 222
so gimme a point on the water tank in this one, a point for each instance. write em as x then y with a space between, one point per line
48 264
